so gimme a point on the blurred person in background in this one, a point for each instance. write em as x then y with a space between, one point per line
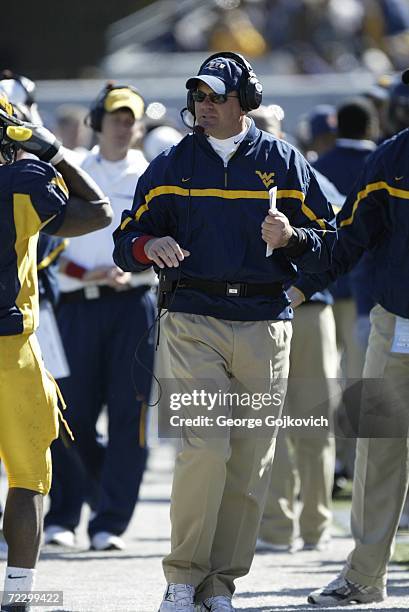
357 134
305 36
397 118
158 139
269 119
71 130
303 465
385 28
222 25
378 94
235 30
103 314
316 131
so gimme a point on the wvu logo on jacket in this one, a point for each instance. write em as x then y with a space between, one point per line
266 177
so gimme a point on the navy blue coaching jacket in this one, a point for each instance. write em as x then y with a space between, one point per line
215 212
375 218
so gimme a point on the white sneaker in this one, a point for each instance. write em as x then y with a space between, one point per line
55 534
103 540
342 592
218 603
178 598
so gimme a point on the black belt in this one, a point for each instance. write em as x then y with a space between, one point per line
95 292
223 289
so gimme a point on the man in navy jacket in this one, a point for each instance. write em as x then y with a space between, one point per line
200 214
375 219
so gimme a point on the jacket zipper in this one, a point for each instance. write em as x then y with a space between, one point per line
226 163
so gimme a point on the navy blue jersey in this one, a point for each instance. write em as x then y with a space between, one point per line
32 197
344 162
215 212
375 218
342 165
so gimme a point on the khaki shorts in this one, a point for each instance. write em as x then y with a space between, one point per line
28 414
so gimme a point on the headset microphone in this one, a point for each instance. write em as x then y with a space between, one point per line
183 114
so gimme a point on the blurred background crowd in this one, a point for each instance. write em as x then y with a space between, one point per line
306 36
300 36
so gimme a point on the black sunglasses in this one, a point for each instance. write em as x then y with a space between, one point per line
200 96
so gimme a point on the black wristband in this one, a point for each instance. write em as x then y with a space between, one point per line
50 152
297 245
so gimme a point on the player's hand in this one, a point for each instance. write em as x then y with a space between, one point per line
295 296
165 252
35 139
276 229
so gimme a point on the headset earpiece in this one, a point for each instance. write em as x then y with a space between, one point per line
94 117
190 105
97 110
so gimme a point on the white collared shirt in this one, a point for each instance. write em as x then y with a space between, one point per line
228 146
118 181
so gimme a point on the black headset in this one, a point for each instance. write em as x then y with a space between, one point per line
250 90
97 110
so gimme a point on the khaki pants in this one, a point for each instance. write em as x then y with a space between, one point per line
381 466
352 353
352 360
305 463
220 483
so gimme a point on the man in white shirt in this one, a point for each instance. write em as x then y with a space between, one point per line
103 314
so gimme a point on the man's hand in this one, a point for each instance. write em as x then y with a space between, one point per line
165 252
276 229
295 296
99 273
111 275
118 279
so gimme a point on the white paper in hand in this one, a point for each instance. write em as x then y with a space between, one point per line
273 205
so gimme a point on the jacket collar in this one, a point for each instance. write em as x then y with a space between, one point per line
252 135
